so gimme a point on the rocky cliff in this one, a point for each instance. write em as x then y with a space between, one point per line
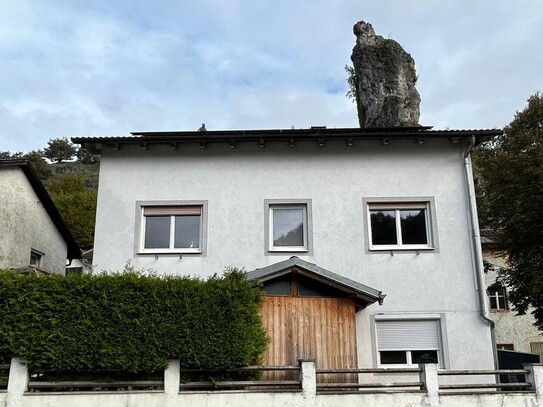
385 77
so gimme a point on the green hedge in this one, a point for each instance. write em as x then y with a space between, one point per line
130 322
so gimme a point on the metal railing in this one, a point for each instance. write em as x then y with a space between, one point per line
502 380
327 384
238 379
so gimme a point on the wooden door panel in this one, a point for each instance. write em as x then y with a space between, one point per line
317 328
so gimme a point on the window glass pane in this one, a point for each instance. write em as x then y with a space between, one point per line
157 232
393 357
413 224
279 286
423 356
34 259
187 231
310 288
288 227
383 227
493 303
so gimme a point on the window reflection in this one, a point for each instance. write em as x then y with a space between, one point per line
383 227
288 227
157 232
413 225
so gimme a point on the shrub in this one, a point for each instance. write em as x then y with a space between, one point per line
130 322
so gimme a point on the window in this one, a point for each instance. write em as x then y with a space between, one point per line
408 342
505 346
171 229
35 258
288 228
73 271
537 348
400 225
497 297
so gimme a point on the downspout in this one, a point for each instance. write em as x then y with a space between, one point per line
477 252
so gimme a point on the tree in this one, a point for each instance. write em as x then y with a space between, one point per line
39 164
85 157
8 154
59 149
77 205
510 187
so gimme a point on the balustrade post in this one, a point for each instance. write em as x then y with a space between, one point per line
535 377
172 377
17 382
430 382
308 377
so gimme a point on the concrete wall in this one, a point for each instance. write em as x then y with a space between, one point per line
26 225
236 182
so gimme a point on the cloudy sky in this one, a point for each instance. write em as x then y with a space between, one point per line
107 67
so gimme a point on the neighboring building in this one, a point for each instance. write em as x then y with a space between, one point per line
512 331
32 232
331 220
82 265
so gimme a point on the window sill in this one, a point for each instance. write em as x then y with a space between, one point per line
288 250
162 253
403 249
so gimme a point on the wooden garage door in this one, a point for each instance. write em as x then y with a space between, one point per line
318 328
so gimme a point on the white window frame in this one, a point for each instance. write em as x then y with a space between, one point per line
441 351
302 248
499 292
141 225
398 204
269 206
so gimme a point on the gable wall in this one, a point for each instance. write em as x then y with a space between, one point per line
26 225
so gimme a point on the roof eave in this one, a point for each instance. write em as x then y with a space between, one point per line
368 294
291 136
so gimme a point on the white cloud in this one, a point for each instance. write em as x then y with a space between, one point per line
111 67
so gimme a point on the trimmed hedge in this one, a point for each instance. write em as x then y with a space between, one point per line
130 322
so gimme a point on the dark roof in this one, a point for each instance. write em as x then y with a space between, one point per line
73 249
291 136
362 293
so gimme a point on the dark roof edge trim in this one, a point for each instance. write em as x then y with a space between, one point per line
294 135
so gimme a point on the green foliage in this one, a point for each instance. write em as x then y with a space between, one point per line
9 154
354 94
510 183
130 321
39 164
59 149
77 206
85 157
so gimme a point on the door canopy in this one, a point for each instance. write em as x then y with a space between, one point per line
298 277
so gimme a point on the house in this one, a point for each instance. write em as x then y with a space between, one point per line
330 220
32 232
82 265
513 332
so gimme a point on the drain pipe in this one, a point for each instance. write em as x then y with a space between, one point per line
477 252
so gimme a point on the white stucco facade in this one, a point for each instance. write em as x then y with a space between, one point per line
236 182
26 226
